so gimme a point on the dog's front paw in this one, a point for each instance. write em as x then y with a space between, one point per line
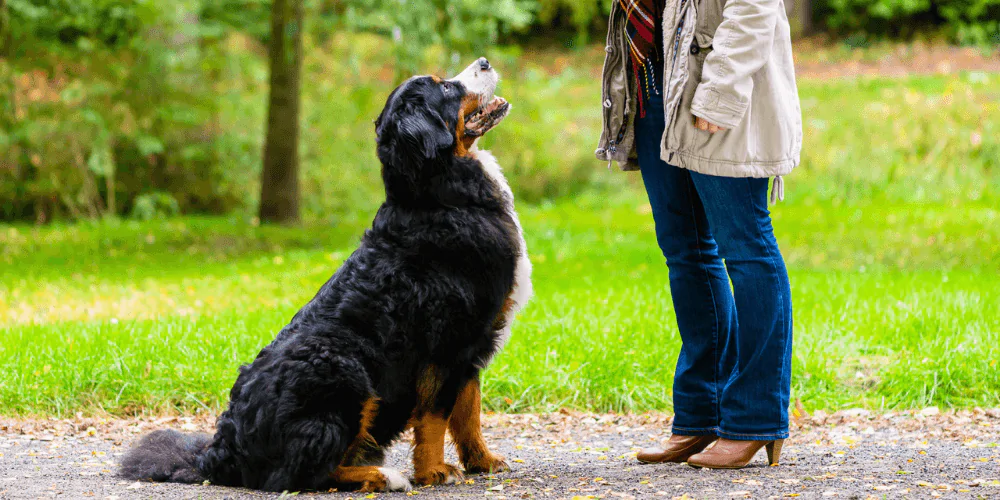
439 474
487 464
394 480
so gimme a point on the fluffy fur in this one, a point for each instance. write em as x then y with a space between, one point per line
397 337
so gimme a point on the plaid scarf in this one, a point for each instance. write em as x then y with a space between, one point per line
644 33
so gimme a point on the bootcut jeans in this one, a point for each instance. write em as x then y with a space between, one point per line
733 376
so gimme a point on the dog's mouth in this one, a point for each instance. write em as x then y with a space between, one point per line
480 80
487 117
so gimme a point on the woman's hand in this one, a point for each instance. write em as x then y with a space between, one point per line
703 124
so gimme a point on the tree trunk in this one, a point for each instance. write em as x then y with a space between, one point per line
803 20
4 29
279 194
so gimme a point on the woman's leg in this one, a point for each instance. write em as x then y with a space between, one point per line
756 395
703 302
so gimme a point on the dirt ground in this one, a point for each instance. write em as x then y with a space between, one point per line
850 454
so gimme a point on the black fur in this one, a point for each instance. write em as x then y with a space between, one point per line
422 290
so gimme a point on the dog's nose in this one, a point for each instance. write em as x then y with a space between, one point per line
484 64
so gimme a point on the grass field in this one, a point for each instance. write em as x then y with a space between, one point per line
891 232
895 306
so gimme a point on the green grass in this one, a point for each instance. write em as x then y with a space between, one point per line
895 307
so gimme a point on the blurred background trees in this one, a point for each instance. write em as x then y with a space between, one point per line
146 108
279 184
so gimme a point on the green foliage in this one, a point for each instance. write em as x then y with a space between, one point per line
70 22
967 21
155 206
461 25
587 17
251 17
105 101
972 21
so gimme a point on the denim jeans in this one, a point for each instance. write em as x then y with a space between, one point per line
733 376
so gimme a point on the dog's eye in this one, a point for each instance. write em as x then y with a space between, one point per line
447 87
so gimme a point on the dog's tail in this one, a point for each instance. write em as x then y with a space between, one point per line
166 456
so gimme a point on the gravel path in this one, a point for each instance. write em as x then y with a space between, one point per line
851 454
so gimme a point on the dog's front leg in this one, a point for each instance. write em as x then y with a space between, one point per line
428 453
466 430
430 423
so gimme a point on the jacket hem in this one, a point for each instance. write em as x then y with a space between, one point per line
723 168
625 163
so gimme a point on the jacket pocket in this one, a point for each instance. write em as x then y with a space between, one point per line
728 146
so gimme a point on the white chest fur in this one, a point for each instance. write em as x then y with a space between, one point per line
522 272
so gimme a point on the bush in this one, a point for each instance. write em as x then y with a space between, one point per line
108 100
587 17
966 21
113 107
416 26
972 21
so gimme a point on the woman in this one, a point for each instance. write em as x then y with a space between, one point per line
700 96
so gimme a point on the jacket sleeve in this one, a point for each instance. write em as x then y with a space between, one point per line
741 47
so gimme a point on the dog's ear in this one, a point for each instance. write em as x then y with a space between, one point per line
410 129
423 130
390 108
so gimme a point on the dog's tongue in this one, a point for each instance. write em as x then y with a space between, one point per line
492 106
488 116
495 104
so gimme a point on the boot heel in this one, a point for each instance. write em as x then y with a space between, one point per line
774 451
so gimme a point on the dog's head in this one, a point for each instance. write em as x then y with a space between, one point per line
428 120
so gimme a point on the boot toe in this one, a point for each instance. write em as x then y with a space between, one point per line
650 455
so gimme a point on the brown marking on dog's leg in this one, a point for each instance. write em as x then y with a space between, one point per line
466 430
368 478
429 427
428 452
364 446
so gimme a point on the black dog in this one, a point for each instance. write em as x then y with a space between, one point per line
397 337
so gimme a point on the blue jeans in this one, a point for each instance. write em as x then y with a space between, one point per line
733 376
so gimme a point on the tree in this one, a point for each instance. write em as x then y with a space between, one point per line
279 194
802 13
4 28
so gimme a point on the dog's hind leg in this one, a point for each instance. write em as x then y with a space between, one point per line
466 431
365 450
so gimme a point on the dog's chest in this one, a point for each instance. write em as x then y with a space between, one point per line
522 290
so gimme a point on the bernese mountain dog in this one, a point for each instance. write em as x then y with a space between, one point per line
397 338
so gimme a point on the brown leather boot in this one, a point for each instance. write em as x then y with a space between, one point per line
677 450
729 454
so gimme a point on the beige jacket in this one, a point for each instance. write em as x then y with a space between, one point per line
727 61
